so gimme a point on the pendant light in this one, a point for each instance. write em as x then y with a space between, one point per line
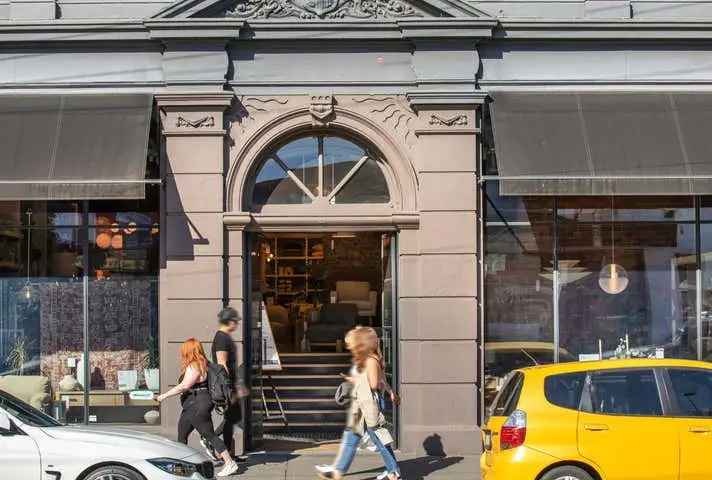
27 289
613 278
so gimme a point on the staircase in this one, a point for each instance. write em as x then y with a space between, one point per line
306 386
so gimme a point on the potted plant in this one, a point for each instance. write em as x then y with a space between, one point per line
151 364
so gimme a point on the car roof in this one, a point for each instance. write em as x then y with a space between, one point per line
545 346
573 367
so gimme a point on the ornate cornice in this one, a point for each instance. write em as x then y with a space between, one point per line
322 9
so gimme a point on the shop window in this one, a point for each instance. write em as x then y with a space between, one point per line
650 311
54 257
327 167
518 269
627 279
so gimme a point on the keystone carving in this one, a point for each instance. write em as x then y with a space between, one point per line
322 108
205 122
456 120
322 9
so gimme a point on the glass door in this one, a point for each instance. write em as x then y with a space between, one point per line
389 324
253 331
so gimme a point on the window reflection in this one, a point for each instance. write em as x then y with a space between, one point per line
655 312
317 168
652 239
45 248
519 254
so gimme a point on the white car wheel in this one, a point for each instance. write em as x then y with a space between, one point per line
114 473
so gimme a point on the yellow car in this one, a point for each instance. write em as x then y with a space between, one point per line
637 419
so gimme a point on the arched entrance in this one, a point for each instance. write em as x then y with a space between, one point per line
320 258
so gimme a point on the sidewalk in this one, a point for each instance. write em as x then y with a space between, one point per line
292 466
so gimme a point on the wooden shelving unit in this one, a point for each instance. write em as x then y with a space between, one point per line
287 274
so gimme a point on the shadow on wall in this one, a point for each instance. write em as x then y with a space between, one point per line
182 235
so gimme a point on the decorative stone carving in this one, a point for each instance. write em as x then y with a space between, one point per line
205 122
394 112
321 108
248 108
322 9
458 120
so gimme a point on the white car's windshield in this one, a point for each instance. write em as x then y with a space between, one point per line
27 414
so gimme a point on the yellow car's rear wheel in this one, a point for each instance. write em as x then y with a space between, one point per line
567 472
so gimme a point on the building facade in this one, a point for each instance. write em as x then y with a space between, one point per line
504 160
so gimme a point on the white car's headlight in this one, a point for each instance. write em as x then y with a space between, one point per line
175 467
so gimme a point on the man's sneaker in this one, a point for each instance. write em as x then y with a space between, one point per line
209 450
324 468
229 469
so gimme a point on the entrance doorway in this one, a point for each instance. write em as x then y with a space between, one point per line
306 290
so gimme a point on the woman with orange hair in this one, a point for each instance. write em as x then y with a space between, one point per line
197 403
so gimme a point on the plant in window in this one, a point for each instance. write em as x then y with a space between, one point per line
19 354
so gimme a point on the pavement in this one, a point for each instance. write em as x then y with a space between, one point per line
295 466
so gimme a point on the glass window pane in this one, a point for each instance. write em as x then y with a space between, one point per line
127 213
123 348
123 324
367 185
273 186
706 310
633 392
635 209
41 214
510 208
565 390
631 278
518 294
693 391
301 157
340 156
706 208
41 334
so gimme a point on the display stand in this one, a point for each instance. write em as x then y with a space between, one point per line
270 362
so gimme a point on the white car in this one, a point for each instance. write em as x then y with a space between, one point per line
34 446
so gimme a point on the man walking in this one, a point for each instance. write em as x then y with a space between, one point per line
224 353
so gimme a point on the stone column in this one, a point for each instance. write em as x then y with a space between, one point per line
193 269
437 284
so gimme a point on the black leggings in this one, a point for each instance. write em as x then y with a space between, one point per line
196 415
233 415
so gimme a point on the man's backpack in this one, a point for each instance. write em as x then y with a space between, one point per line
219 385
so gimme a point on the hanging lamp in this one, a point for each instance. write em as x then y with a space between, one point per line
613 279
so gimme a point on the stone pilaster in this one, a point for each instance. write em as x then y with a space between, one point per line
193 267
437 283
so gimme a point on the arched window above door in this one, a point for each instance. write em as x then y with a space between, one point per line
325 168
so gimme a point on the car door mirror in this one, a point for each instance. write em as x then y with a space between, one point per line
5 424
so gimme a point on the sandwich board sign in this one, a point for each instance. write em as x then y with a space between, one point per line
270 354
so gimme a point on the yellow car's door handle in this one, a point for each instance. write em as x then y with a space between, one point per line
595 427
700 429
